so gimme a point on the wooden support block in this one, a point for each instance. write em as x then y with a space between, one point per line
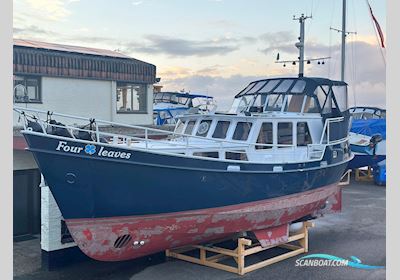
363 175
241 252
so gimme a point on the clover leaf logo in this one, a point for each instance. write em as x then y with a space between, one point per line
90 149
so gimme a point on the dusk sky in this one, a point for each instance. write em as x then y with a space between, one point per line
216 47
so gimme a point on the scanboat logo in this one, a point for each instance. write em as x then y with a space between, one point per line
90 149
330 260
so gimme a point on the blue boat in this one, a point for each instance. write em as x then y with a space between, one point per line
125 196
367 136
277 158
168 105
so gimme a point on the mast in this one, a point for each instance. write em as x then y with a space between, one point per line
300 44
343 41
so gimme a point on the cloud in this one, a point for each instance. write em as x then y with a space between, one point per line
223 89
366 87
32 31
156 44
136 3
53 10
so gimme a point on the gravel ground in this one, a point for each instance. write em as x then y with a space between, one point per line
358 231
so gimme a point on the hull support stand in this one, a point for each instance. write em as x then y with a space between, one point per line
216 255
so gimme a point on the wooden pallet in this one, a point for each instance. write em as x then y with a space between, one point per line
364 175
212 255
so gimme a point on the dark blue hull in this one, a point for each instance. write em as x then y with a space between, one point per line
362 160
95 181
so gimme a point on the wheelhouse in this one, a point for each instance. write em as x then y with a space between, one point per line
293 95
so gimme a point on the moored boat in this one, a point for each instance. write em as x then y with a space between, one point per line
168 105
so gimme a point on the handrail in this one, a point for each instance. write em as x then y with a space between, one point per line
181 141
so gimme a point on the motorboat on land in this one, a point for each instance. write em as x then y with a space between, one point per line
278 159
122 196
367 136
168 105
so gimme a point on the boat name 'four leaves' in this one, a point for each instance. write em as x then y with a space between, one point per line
90 150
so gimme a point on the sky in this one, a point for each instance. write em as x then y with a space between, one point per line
217 47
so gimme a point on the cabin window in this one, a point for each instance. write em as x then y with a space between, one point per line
206 154
298 87
341 96
256 88
242 131
285 133
284 86
236 155
204 127
221 129
246 89
259 103
270 86
240 104
310 106
275 102
294 103
265 136
27 89
179 126
303 134
189 127
131 98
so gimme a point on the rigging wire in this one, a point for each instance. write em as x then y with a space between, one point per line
332 66
354 55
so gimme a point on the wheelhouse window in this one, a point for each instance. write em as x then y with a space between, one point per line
285 133
131 98
294 103
284 86
341 97
189 127
310 105
265 136
275 102
221 129
27 89
242 131
303 134
204 127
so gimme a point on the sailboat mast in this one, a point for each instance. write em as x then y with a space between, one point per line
343 41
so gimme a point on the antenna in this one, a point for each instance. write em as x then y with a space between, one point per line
300 46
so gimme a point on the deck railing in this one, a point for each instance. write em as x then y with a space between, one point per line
177 143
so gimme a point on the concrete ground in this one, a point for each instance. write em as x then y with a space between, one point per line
358 231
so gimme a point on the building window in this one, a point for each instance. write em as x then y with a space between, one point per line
131 98
27 89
